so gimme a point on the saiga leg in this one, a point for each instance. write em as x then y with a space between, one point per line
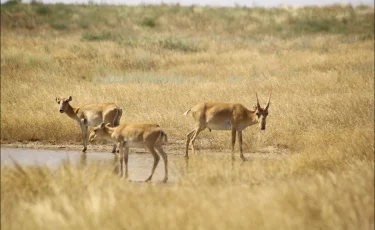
188 138
113 124
84 136
165 159
197 131
239 133
114 149
156 160
233 141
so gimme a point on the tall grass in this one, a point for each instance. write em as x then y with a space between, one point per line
322 111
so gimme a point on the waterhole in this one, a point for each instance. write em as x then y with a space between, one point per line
140 164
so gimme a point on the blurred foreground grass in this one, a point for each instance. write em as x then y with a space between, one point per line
213 194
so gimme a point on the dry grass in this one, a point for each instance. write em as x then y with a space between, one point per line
316 89
322 110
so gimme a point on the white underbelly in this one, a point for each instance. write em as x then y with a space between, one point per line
135 144
221 126
93 119
94 123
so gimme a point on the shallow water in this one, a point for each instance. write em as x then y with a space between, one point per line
139 164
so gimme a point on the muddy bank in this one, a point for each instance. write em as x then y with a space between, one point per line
172 148
72 146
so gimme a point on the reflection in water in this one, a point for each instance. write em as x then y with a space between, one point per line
116 164
83 160
186 164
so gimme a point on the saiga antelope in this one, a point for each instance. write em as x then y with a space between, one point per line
150 136
91 115
225 116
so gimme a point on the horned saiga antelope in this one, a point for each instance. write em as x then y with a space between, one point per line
149 136
91 115
225 116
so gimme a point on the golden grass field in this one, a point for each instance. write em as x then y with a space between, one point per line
318 62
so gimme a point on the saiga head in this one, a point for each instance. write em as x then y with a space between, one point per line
63 102
262 113
99 132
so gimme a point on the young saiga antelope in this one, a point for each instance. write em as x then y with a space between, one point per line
150 136
91 115
225 116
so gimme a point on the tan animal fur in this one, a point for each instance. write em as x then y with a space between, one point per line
150 136
225 116
91 115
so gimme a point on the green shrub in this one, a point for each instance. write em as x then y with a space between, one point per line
148 22
59 26
43 10
318 25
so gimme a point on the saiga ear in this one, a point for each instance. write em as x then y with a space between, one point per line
102 125
58 100
258 105
70 98
108 125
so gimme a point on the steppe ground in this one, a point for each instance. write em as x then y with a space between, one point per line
158 61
